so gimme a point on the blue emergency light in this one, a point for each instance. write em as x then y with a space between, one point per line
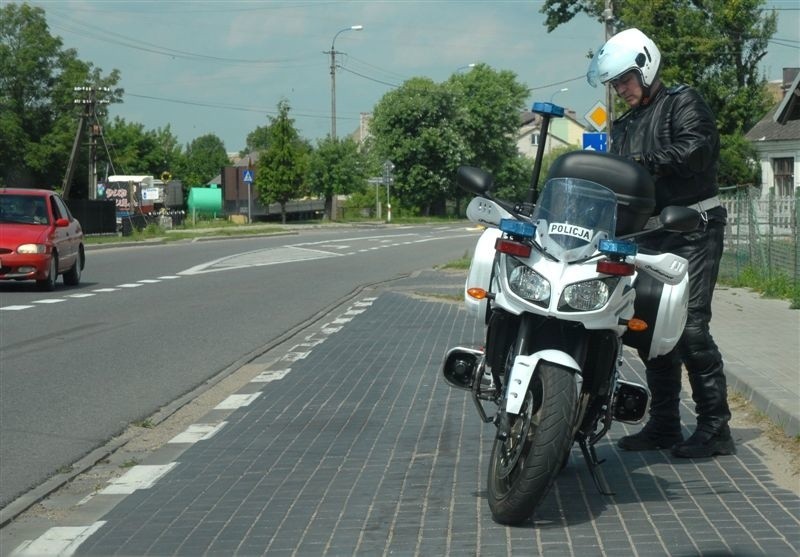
617 247
518 228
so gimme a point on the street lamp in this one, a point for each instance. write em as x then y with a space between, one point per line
562 90
333 75
468 66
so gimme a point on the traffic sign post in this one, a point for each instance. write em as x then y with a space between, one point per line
595 141
248 177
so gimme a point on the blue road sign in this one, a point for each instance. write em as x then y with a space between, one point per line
595 141
247 175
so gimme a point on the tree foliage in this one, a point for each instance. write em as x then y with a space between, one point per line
280 174
38 116
417 127
204 158
336 167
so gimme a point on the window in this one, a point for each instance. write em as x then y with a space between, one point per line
783 171
535 138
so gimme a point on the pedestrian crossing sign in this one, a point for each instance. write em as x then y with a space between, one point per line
247 175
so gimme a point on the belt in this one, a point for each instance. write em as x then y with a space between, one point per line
700 206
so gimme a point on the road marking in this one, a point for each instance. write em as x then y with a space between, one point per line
59 540
49 301
105 290
149 281
169 277
83 295
15 308
237 401
129 285
142 476
197 432
272 375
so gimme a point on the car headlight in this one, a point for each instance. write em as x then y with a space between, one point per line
589 295
527 283
29 249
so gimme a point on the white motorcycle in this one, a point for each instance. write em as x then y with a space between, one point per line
562 287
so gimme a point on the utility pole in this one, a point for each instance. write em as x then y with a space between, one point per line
88 117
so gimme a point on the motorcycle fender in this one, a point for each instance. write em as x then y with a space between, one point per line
523 369
480 271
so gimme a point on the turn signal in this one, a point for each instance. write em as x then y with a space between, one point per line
637 325
477 293
616 268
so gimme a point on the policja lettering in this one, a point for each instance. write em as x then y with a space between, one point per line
570 230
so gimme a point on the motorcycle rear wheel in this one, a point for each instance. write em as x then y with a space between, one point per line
524 466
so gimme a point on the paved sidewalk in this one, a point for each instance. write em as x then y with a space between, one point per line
760 342
346 441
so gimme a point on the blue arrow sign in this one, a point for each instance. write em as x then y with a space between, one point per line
595 141
247 175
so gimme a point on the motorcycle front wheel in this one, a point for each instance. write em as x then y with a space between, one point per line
524 466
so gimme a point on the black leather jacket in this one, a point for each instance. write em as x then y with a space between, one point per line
675 136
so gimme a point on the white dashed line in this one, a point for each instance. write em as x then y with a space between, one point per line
129 285
49 301
84 295
15 308
197 432
272 375
237 401
59 540
142 476
101 290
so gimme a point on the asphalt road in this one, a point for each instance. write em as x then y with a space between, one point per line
149 325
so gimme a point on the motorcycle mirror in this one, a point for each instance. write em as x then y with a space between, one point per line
679 219
474 180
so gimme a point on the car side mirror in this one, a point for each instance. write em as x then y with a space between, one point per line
62 223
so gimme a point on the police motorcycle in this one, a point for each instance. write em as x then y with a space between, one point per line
562 287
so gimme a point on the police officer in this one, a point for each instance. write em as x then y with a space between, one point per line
672 132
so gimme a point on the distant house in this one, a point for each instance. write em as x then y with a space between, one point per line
776 139
566 131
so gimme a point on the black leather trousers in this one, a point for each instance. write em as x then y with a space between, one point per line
696 349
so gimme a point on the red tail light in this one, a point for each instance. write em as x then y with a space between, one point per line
504 245
616 268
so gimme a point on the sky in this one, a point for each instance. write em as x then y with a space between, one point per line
222 67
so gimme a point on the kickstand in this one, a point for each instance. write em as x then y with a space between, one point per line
593 463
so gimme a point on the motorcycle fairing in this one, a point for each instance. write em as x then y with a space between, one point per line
487 212
480 271
523 369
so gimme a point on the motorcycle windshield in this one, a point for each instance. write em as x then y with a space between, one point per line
572 215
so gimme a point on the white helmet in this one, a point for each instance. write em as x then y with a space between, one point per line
627 50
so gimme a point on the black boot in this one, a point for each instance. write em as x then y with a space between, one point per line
663 429
651 438
706 442
712 435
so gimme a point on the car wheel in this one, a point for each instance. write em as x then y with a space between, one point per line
48 284
73 276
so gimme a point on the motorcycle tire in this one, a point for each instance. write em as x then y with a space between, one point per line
524 466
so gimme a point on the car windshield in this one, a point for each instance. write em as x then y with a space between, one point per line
25 209
572 215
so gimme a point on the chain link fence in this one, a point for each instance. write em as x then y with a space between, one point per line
761 235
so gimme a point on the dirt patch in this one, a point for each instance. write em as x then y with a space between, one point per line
779 451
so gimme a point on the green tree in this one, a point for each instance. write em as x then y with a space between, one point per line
491 102
130 149
281 168
336 167
205 157
713 45
257 140
418 127
38 118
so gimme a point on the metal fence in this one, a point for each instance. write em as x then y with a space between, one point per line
761 234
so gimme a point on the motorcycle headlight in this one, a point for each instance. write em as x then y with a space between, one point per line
589 295
527 283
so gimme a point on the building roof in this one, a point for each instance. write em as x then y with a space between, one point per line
789 109
768 128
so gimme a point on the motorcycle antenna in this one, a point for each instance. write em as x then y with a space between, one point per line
547 111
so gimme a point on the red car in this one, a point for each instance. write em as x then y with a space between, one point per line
39 238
